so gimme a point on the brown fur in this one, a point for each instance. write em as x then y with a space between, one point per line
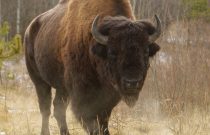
59 50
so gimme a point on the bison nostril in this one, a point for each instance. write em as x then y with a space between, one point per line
128 84
131 83
137 84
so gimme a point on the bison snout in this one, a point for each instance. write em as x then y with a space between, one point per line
131 85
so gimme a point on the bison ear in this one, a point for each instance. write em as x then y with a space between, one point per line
99 50
153 49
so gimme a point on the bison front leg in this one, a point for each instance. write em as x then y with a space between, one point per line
99 124
94 124
61 102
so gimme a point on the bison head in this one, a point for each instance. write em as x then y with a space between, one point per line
125 47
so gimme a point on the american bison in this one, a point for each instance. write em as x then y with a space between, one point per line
94 53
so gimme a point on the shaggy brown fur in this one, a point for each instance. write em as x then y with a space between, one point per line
61 53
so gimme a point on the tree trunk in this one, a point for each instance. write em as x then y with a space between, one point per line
18 18
0 14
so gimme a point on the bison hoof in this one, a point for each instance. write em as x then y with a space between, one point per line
106 131
64 132
97 132
45 132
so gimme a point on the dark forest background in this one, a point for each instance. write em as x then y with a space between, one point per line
19 13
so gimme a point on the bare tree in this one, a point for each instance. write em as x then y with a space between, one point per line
18 17
0 12
19 13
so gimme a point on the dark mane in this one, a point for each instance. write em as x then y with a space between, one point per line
83 17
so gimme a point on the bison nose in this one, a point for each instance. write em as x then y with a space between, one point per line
131 83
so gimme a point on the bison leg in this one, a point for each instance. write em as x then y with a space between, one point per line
61 102
44 97
96 124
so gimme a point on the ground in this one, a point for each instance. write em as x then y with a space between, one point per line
19 115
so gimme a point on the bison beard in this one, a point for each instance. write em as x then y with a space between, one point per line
130 100
64 52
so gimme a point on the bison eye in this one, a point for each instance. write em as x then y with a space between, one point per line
112 55
146 52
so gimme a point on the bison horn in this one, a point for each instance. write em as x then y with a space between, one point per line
156 35
100 38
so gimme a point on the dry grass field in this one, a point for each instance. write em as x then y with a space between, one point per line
175 99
